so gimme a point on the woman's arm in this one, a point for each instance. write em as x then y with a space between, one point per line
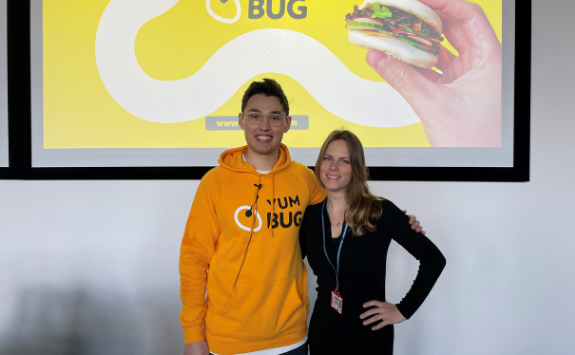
432 262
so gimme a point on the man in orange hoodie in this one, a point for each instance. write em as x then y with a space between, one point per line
241 241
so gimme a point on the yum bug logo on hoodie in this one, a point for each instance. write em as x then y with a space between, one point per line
287 213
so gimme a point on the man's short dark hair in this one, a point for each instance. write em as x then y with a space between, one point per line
267 87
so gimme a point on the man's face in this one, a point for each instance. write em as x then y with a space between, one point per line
264 137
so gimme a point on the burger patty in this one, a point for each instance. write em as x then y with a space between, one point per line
357 12
400 18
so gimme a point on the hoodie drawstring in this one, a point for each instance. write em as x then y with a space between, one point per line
253 213
254 206
270 227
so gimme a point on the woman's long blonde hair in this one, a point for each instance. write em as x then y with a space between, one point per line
363 208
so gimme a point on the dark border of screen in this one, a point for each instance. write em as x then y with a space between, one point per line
3 88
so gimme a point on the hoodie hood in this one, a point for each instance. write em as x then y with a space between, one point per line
233 160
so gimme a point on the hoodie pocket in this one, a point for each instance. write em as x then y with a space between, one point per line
261 311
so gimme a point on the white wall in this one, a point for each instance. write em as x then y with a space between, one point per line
91 267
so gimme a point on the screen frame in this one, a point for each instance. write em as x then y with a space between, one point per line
20 127
4 156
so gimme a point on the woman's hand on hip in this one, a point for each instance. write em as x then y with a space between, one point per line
385 312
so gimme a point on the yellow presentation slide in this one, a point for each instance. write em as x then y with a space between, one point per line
171 74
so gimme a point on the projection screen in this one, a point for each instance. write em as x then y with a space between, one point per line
3 88
149 83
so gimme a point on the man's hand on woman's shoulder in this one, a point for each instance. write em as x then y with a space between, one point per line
415 225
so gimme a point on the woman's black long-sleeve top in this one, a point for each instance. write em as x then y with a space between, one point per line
362 279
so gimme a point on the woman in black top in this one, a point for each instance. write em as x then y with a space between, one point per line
351 315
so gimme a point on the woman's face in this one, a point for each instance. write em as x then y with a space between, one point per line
335 170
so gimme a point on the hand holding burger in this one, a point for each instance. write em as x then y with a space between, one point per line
461 105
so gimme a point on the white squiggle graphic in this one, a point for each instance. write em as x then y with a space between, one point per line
244 208
222 19
286 52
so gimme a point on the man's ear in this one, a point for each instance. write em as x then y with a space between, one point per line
241 120
288 124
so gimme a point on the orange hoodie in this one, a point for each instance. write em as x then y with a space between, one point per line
241 241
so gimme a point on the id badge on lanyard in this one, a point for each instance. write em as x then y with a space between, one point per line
336 302
336 299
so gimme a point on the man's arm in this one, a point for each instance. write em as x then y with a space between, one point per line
197 248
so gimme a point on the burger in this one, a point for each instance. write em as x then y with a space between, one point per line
405 29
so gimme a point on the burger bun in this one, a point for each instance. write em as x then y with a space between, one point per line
394 47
